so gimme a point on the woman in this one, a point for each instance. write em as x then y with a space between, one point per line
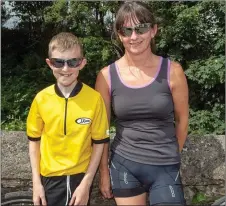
149 96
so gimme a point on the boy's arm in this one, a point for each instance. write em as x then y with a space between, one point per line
81 194
35 126
93 165
34 154
38 190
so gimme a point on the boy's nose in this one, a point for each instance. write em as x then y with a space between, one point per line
65 67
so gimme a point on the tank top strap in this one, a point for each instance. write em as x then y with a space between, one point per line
164 70
113 77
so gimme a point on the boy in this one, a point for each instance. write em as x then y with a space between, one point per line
63 122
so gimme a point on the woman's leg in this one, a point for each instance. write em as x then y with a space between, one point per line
167 188
135 200
126 188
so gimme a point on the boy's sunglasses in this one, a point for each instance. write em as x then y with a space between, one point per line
139 29
72 63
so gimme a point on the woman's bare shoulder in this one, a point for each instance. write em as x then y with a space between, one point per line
176 69
177 74
103 76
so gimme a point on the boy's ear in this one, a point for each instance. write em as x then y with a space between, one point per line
49 63
84 62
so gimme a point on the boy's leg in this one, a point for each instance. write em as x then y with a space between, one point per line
59 190
75 180
55 190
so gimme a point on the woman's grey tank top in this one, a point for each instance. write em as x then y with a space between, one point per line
145 130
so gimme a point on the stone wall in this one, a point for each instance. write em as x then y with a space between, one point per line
202 168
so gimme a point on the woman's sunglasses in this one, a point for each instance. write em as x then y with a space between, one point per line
139 29
72 63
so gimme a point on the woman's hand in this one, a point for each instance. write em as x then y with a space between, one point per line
105 184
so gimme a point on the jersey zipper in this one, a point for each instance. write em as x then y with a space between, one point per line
65 117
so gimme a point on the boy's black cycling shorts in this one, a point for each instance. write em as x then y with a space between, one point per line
162 182
59 189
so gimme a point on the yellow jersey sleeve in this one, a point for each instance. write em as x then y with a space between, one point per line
35 123
100 127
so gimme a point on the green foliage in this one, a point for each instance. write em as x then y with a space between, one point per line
206 122
16 99
207 72
98 53
199 198
56 13
14 125
112 129
206 77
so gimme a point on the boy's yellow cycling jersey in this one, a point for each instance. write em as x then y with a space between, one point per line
67 127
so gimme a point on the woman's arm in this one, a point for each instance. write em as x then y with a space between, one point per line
179 89
102 86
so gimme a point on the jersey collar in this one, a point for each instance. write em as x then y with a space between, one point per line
74 92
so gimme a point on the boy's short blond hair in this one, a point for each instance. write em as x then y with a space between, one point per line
64 41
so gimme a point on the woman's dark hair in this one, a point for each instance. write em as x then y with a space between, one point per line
133 11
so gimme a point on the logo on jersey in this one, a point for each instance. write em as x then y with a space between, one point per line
83 120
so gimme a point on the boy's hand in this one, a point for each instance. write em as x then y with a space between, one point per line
105 185
80 195
39 195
